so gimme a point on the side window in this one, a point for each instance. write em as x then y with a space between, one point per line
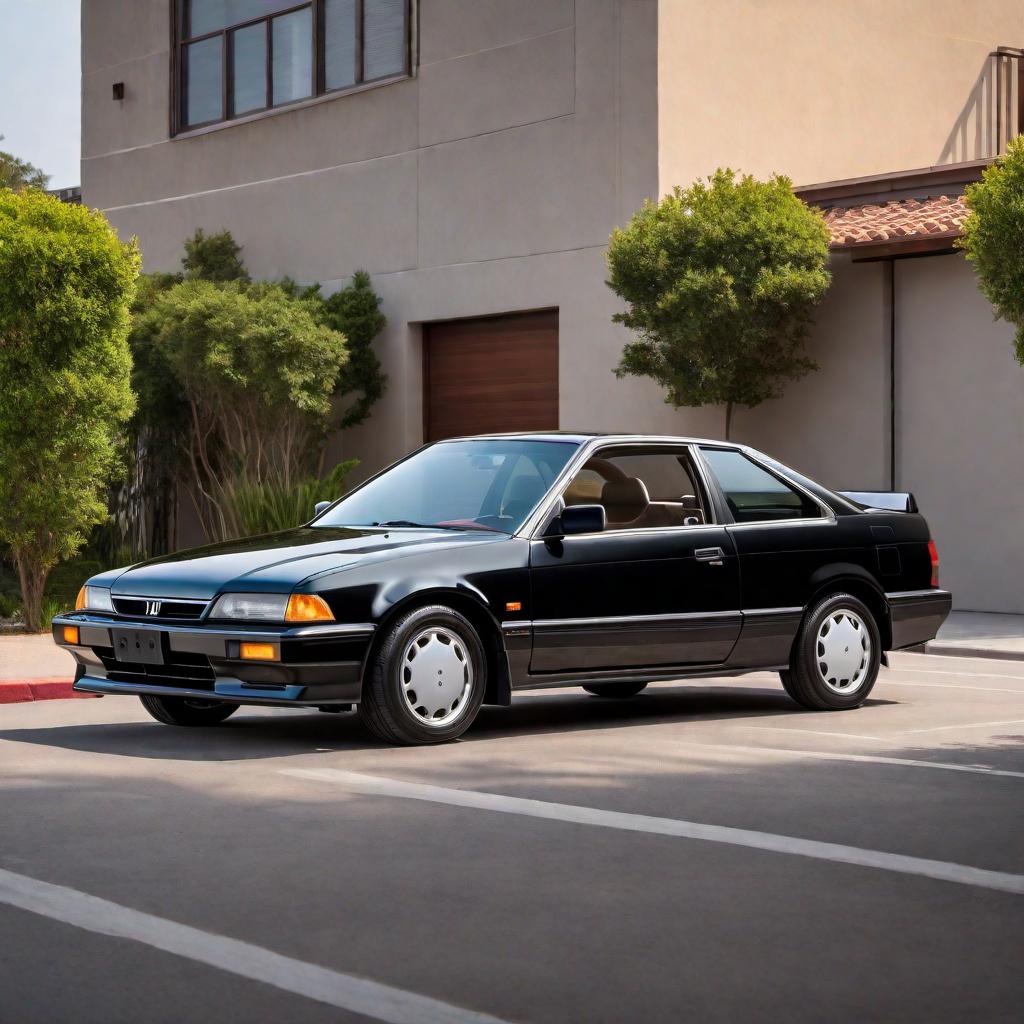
640 488
753 494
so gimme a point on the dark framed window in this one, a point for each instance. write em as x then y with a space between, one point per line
238 57
755 495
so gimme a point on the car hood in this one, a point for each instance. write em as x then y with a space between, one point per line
276 561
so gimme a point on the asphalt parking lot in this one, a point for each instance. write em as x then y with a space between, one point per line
704 851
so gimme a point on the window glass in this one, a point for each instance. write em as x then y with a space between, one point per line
485 484
640 488
249 68
384 38
292 70
211 15
203 81
339 43
753 494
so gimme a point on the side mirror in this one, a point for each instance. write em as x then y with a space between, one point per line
320 506
582 519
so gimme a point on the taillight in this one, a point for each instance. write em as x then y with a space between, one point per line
933 554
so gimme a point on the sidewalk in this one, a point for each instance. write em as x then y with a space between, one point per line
32 657
34 668
980 635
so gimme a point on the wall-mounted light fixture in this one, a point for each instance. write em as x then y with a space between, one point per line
119 90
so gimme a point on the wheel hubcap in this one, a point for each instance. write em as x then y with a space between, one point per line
437 677
843 651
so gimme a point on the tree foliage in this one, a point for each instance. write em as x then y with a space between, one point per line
18 174
165 424
355 311
257 371
216 257
66 282
720 280
993 234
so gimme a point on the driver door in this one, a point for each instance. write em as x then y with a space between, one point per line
659 587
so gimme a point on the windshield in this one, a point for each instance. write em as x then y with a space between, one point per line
485 484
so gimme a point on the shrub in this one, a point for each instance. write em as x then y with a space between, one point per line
257 372
66 282
268 507
720 280
992 235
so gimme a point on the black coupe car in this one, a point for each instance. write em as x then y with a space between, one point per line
480 566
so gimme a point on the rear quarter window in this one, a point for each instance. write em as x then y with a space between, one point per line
753 494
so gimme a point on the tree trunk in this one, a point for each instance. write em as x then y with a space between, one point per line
728 420
32 579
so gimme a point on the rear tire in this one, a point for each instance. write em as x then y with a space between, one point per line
426 681
186 711
617 690
836 656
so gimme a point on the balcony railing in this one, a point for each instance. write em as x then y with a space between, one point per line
994 112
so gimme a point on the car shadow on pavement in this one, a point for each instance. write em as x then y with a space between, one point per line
253 735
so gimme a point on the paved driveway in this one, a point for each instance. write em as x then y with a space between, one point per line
702 852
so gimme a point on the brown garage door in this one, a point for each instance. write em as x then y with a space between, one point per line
492 375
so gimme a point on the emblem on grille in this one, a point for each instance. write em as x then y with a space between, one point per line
152 607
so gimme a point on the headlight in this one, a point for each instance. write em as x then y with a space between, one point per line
94 599
265 607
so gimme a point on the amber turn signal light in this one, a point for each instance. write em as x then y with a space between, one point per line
513 606
71 634
307 608
80 600
259 652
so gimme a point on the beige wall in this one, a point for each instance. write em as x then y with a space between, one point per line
960 431
834 423
824 89
960 415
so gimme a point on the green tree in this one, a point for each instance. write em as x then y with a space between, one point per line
256 370
66 282
720 280
992 235
216 257
19 174
355 311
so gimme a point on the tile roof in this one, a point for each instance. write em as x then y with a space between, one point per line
901 220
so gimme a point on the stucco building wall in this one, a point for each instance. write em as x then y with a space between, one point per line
822 91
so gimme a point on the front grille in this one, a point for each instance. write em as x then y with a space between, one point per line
189 671
142 608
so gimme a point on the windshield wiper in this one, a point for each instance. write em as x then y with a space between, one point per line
419 526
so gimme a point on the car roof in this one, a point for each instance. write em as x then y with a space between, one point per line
581 437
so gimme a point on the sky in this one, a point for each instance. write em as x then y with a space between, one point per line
41 85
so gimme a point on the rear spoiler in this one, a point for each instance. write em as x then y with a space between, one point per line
883 501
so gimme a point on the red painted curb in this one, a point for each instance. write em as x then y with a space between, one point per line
18 691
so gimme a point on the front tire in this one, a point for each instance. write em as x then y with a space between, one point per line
426 682
618 690
186 711
836 656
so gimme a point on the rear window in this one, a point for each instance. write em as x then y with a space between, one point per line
753 494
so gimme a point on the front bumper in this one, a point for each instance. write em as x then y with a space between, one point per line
917 615
319 665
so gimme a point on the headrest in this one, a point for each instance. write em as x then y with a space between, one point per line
624 499
525 490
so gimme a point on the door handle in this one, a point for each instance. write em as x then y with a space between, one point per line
713 556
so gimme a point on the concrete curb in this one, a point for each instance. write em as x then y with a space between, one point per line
18 691
956 651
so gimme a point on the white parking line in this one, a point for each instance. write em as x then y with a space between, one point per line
826 755
961 725
887 681
571 813
344 991
950 672
814 732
